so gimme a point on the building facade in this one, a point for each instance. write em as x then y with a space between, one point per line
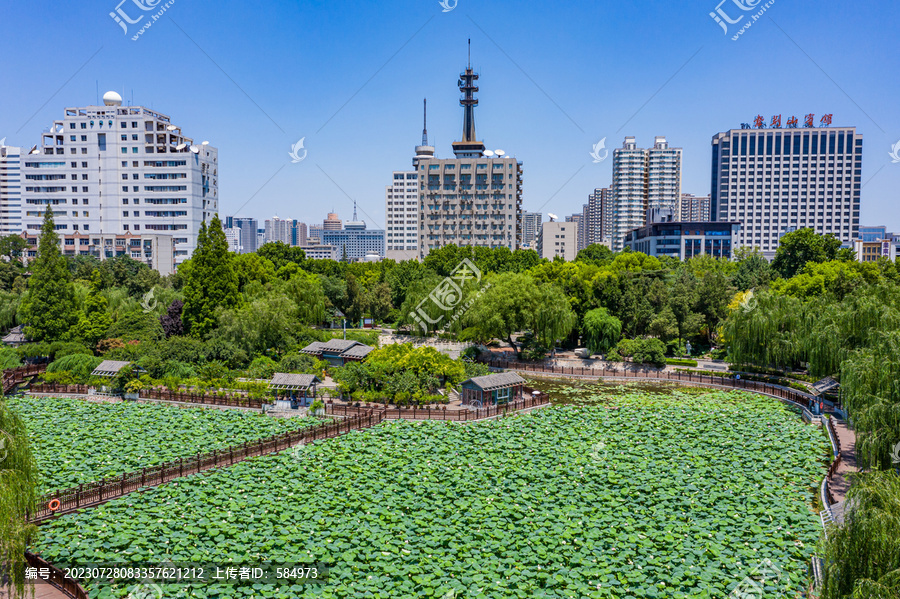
531 226
156 251
354 241
248 237
233 236
332 222
578 220
558 239
115 170
694 209
474 199
401 200
684 240
314 235
599 221
278 229
871 251
775 181
870 233
320 252
10 190
643 179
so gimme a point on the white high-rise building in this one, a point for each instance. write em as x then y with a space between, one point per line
776 181
599 220
278 229
531 227
248 228
10 190
643 179
402 210
233 236
116 170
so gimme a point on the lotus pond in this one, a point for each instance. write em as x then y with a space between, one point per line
674 496
77 441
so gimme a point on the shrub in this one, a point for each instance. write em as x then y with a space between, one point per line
80 366
680 362
262 368
650 351
9 358
614 356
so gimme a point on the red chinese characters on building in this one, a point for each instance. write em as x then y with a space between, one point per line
776 122
826 120
808 121
792 122
759 122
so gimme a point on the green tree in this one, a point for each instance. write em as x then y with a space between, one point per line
378 301
504 308
595 254
601 330
683 303
279 254
305 290
804 245
48 308
753 270
211 283
18 497
552 317
94 320
13 247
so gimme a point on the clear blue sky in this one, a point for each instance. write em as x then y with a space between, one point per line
254 77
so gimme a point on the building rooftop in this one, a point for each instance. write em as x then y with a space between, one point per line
500 380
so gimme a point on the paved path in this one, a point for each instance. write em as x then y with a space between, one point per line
840 482
41 591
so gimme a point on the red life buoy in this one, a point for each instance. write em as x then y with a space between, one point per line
53 505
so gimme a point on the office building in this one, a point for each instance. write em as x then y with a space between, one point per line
694 209
402 210
354 241
332 222
474 199
578 220
531 226
278 229
684 240
298 234
10 190
320 252
155 250
558 240
115 170
314 235
871 251
775 181
643 179
233 236
870 233
248 236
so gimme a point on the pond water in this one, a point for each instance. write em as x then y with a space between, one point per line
578 392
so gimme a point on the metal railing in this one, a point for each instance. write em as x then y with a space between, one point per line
466 415
17 376
57 578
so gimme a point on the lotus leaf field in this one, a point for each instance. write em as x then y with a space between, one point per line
673 496
77 441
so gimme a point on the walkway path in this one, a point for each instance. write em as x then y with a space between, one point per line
840 482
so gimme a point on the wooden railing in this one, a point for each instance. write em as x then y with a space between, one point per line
57 578
804 399
95 493
17 376
454 415
235 400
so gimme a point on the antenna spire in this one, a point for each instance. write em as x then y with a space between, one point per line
354 210
470 53
425 123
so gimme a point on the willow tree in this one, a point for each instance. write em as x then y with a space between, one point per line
870 382
862 556
552 317
18 496
767 329
602 330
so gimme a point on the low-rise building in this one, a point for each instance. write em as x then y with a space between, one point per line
684 240
156 251
871 251
338 352
558 239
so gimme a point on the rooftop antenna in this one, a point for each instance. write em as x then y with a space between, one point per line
425 123
354 210
470 53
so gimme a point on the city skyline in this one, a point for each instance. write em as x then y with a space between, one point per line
571 97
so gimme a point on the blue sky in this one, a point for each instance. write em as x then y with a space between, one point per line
254 77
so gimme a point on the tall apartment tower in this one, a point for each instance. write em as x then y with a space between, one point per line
473 199
599 223
775 181
120 170
332 223
401 203
10 190
578 220
694 209
248 227
643 179
531 226
278 229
